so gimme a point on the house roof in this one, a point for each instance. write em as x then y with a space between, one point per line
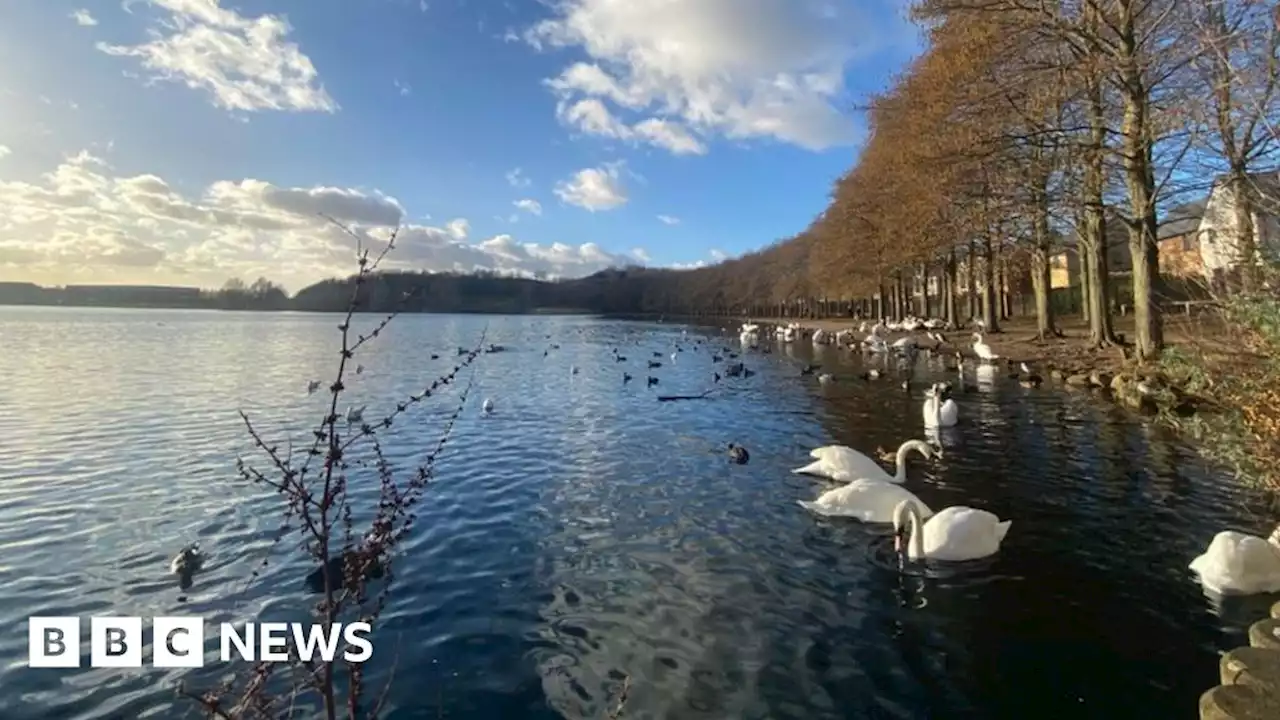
1183 219
1265 184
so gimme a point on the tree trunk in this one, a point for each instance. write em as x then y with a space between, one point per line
990 314
924 289
1041 280
1140 180
1246 243
972 295
1093 238
949 290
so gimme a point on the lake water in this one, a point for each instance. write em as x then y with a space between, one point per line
585 531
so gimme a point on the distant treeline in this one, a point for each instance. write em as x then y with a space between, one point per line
630 290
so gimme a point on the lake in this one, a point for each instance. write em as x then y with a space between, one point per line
584 531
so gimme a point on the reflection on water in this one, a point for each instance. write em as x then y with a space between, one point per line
584 532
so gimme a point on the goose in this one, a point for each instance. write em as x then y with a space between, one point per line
313 386
650 381
488 405
355 415
982 349
626 377
939 411
953 534
842 463
1236 563
867 500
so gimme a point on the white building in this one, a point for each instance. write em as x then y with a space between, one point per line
1217 233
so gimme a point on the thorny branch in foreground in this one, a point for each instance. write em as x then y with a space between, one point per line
315 506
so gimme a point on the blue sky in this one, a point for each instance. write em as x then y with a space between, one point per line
188 141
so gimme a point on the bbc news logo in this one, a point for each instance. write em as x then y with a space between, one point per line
178 642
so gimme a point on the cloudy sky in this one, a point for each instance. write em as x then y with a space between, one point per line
189 141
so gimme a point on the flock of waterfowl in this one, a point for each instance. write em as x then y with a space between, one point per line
1234 562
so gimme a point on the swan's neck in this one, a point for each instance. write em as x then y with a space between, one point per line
915 538
903 452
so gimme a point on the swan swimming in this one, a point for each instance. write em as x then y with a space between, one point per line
982 349
954 534
866 500
939 412
487 406
355 415
842 463
1240 564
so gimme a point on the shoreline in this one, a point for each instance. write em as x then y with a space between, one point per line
1186 390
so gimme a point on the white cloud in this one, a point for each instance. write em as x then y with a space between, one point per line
5 152
516 178
83 18
641 254
691 70
403 87
592 116
668 220
246 63
594 189
530 206
718 255
84 222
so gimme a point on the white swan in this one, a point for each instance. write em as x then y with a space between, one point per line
842 463
1236 563
487 406
939 413
982 349
954 534
866 500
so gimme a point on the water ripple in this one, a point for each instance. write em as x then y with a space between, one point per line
584 532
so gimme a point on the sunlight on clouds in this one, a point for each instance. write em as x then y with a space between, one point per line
80 222
700 68
246 63
594 189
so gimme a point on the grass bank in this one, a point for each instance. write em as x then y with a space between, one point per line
1240 370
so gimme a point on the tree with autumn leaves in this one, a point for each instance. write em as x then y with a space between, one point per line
1025 127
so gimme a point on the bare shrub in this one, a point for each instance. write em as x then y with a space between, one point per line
313 487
